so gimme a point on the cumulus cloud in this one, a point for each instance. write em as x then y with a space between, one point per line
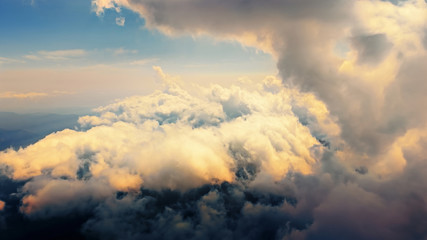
200 151
369 90
167 140
231 163
382 37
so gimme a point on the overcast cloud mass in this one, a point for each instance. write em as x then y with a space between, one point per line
334 147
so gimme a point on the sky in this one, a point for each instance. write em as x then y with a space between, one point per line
61 56
202 119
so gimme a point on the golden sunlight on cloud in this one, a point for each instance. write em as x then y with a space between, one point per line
98 6
169 139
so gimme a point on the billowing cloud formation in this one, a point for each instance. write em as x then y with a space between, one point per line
231 163
165 140
338 152
143 150
380 41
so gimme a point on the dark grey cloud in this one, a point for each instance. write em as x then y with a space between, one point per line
181 15
225 211
371 48
330 204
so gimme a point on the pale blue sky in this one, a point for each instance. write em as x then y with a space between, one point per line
52 25
41 37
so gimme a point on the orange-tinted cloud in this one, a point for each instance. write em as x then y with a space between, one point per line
169 139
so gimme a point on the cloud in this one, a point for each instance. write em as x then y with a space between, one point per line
6 95
32 95
120 21
99 5
32 57
4 60
371 48
169 140
381 37
2 204
229 163
58 54
368 91
120 51
143 61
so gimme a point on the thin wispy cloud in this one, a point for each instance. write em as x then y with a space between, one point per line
142 62
62 92
32 57
24 95
32 95
123 51
4 60
57 55
62 54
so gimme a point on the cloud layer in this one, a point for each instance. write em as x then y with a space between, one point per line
230 163
333 150
349 54
167 141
